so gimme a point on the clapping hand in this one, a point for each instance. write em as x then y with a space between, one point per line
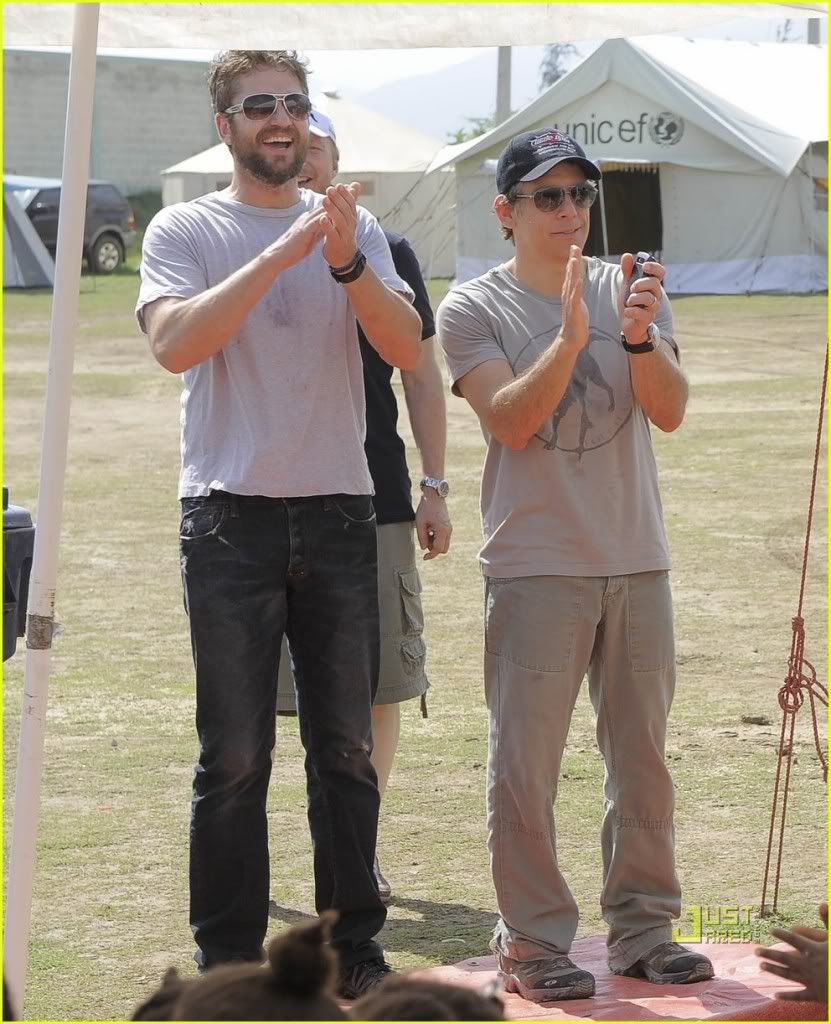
340 223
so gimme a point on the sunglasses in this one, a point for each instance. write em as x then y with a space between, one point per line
553 197
262 105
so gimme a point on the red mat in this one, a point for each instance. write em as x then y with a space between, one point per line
738 983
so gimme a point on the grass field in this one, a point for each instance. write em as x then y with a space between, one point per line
110 907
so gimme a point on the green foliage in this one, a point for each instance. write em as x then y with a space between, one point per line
478 126
145 206
555 62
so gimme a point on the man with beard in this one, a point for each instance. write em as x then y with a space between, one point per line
252 294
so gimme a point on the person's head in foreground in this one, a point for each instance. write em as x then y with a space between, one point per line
547 186
297 983
403 998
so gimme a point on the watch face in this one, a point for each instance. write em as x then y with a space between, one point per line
443 489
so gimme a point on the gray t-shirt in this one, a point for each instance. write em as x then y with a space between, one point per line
280 410
581 499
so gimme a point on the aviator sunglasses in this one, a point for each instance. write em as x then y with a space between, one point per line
553 196
262 105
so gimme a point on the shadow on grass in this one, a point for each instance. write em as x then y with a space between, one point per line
443 932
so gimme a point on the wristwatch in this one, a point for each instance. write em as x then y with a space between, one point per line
653 337
441 487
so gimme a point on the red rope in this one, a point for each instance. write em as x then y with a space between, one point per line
797 684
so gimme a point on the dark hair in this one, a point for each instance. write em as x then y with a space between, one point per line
229 65
298 983
403 998
510 197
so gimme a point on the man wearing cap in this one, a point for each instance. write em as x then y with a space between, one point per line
252 293
402 674
567 370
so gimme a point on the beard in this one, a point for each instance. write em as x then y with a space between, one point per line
259 167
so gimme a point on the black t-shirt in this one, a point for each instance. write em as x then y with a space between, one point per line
385 451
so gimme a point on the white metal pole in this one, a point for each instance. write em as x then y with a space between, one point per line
41 608
603 219
503 84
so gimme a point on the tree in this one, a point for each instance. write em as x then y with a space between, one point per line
479 125
555 62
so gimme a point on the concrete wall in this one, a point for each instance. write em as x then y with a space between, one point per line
148 115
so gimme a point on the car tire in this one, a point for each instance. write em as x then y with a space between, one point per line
106 254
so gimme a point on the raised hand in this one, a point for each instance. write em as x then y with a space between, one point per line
575 328
293 246
341 223
638 309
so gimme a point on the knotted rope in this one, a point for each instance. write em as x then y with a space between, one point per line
798 683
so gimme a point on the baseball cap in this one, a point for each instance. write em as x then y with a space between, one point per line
528 156
319 124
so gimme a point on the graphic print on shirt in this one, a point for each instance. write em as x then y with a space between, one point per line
592 411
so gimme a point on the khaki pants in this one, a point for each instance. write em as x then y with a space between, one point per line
542 635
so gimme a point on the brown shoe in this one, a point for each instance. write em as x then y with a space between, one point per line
541 981
670 964
360 978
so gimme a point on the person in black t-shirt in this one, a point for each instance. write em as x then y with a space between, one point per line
403 652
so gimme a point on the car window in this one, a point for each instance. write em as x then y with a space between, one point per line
108 194
47 198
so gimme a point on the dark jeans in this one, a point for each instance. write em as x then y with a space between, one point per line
253 568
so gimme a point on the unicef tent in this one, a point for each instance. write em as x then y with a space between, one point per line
715 156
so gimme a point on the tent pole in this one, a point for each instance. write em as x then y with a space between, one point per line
603 219
41 608
503 85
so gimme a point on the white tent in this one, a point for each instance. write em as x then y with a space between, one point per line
387 158
26 261
715 156
332 26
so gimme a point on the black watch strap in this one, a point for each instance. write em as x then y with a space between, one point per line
644 346
652 338
352 272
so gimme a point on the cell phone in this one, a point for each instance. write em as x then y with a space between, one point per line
637 270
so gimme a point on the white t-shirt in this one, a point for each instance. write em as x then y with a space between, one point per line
280 410
581 499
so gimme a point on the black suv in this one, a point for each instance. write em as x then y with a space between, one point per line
110 226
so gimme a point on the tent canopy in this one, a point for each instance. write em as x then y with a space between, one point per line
740 93
336 26
729 196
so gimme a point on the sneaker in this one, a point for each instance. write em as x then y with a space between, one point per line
541 981
361 977
384 887
670 964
